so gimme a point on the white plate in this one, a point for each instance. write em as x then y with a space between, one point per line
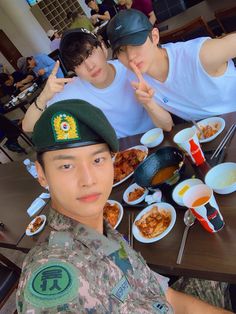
181 188
138 236
131 188
211 121
140 147
121 213
29 233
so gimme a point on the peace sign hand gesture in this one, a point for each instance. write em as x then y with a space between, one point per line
143 92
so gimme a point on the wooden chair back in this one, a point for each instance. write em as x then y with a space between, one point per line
196 28
226 18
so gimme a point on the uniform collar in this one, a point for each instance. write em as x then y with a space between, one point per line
86 235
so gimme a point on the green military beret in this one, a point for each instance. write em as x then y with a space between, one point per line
72 123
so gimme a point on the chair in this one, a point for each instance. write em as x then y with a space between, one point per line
9 278
196 28
163 10
226 18
55 55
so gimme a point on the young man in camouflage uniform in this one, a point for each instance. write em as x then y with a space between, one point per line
86 266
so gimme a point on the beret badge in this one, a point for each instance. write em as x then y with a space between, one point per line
65 127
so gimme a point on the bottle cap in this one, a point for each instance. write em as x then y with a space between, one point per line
26 161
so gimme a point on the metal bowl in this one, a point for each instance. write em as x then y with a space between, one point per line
162 158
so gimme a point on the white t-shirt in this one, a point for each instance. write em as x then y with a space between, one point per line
189 92
117 102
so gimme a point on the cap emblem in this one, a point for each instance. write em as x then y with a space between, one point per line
65 127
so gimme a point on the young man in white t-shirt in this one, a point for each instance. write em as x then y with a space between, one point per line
193 80
105 84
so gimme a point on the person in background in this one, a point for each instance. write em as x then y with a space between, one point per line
195 79
106 84
10 130
79 21
13 84
100 13
124 4
42 65
144 6
84 265
55 39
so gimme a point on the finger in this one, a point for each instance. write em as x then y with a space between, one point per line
63 80
136 71
141 93
55 68
135 85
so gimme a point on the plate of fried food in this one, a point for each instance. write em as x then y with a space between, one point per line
154 222
36 225
211 128
113 213
134 194
125 162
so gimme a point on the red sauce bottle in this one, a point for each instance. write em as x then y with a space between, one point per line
196 153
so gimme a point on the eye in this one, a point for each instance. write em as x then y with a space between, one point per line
99 160
66 167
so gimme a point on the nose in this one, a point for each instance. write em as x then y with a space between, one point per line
130 52
86 175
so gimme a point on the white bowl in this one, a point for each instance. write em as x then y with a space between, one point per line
152 138
121 213
181 189
131 188
137 234
29 233
222 178
213 121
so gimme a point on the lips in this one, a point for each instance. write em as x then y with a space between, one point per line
95 74
90 198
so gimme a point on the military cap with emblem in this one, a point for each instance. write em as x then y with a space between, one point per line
128 27
72 123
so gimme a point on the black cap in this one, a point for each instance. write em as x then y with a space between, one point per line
73 33
128 27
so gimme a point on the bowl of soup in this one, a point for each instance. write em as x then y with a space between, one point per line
164 167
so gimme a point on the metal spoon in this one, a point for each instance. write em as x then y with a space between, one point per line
199 129
189 221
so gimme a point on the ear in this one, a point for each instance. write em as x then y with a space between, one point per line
155 36
41 175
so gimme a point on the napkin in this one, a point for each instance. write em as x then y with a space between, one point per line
154 198
37 204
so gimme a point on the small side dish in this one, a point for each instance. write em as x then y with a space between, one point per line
36 225
134 194
154 222
113 213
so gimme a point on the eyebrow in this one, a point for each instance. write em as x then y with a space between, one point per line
70 157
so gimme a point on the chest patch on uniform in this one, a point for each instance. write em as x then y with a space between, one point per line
65 127
121 290
52 284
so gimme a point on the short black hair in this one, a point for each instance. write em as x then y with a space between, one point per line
87 1
3 78
77 47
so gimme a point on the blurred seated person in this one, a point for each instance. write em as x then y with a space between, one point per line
55 39
124 4
10 130
42 65
100 13
79 21
146 7
13 84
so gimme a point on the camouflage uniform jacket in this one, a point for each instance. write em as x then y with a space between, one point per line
81 271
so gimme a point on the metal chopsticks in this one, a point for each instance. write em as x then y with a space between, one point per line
227 137
130 233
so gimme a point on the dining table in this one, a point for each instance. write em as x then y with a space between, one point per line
206 9
22 103
18 189
206 255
